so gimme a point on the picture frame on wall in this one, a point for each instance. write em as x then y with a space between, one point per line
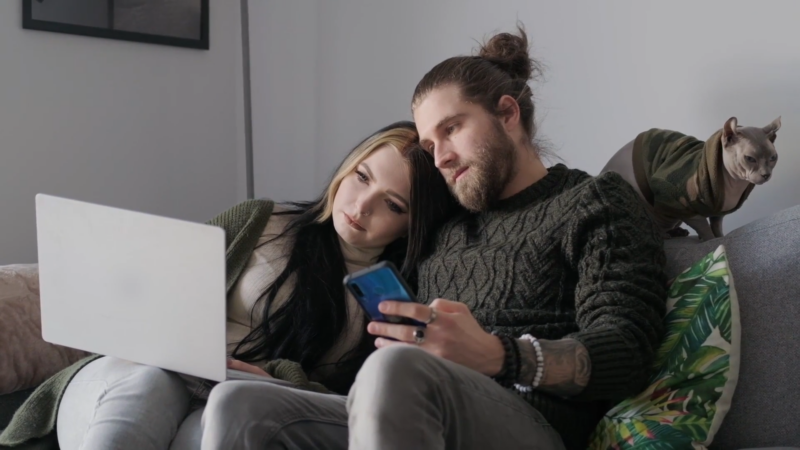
182 23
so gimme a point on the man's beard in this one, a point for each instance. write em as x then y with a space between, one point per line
488 174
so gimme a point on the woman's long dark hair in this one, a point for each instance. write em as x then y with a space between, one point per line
315 316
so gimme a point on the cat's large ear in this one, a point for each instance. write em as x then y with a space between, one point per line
771 130
729 130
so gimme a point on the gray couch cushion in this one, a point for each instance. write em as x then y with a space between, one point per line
765 261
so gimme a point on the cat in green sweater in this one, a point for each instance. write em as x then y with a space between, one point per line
686 180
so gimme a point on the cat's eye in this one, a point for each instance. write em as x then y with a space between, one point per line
774 158
750 159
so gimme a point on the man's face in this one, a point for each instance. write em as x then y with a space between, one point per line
472 150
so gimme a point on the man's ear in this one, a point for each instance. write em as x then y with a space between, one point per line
508 112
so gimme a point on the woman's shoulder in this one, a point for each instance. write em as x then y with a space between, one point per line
244 210
271 218
245 218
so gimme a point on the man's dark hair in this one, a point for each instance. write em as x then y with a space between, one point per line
503 67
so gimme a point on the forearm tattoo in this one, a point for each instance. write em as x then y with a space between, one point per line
567 367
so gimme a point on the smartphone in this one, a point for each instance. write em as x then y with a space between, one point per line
377 283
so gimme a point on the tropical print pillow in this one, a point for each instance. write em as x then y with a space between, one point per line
696 368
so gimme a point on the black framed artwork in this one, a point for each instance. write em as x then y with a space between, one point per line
183 23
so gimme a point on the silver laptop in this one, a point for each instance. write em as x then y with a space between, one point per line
135 286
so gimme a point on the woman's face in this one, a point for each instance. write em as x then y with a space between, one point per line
370 209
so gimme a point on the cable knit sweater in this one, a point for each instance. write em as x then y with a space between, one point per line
570 256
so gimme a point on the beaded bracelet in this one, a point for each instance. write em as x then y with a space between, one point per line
539 365
511 361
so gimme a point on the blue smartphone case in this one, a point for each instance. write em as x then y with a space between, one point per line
377 283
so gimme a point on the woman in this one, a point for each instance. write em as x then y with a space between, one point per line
289 315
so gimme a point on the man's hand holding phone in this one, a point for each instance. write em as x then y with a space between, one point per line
453 334
445 328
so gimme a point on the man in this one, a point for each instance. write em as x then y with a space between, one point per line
549 295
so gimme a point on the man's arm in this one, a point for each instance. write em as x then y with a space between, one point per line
566 362
619 300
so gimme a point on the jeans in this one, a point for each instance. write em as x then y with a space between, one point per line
113 404
403 398
117 405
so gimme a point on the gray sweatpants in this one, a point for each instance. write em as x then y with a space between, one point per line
403 398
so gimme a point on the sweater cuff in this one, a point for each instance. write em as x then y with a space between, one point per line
616 365
291 371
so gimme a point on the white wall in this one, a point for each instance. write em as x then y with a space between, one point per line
283 74
614 68
140 126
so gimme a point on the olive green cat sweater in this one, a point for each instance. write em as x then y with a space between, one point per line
682 176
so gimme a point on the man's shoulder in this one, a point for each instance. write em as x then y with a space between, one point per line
604 188
609 194
611 184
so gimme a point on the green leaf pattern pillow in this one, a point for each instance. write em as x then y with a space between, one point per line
696 368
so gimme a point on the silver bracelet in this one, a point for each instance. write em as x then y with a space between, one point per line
539 365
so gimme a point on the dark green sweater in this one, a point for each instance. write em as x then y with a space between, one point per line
570 256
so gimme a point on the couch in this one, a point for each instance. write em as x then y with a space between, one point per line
765 262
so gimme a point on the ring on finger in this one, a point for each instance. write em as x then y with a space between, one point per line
432 317
419 335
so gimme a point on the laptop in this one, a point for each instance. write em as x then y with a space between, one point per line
135 286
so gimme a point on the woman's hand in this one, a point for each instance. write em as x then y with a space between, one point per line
244 367
454 334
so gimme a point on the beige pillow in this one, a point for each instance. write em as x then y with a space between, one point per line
25 359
